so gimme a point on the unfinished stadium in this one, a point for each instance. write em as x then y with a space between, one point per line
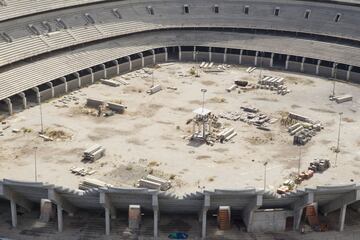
170 119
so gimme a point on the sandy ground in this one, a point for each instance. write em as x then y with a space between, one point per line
148 137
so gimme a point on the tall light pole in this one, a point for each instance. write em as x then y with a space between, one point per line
265 164
35 161
334 81
338 139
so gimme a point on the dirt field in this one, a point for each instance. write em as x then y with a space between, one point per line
149 136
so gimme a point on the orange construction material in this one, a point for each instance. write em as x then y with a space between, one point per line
310 211
224 217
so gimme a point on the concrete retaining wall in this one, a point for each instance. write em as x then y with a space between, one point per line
187 56
309 68
99 75
124 67
148 60
136 64
45 95
111 72
73 85
160 57
85 80
248 60
232 59
59 90
325 71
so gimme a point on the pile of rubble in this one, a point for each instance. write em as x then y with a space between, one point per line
273 84
303 129
64 101
251 116
153 182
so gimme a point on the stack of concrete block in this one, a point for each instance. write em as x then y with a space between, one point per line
110 82
224 218
153 182
134 217
274 84
226 134
46 210
94 153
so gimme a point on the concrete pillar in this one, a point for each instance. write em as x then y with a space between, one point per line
154 56
297 218
130 63
272 60
179 53
51 85
203 223
92 75
107 221
166 54
348 73
13 213
10 107
24 101
117 67
225 52
256 58
63 79
60 218
210 54
104 68
240 56
333 69
78 78
142 60
342 217
156 223
318 67
37 92
287 62
302 64
194 54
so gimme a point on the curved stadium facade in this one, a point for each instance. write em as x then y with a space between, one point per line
49 48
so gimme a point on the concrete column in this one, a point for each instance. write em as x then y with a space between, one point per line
10 107
107 221
51 85
210 54
333 70
256 58
179 53
203 223
105 71
78 78
92 75
63 79
166 54
13 213
117 67
60 218
348 72
156 223
342 218
142 60
302 64
318 67
272 60
130 63
194 54
23 97
240 56
225 52
37 91
154 56
287 62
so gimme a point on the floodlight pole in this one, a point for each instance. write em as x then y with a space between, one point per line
338 139
265 164
35 163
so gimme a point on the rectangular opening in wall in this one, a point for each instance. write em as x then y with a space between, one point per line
337 17
186 9
307 14
276 11
246 10
216 8
150 10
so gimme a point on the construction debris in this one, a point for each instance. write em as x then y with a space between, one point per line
89 183
343 98
250 69
153 182
233 87
103 107
241 83
273 84
94 153
82 171
109 82
154 89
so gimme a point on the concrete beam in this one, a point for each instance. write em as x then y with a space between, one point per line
24 100
10 106
348 73
240 56
248 212
342 217
104 68
57 199
155 205
51 85
204 215
92 75
339 202
15 197
302 64
63 79
117 67
287 62
318 66
105 201
256 58
13 214
356 206
298 208
130 63
154 56
210 54
166 54
194 54
78 78
179 53
142 59
225 55
272 60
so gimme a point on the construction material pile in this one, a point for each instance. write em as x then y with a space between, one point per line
226 134
273 84
251 116
341 98
250 69
303 128
153 182
313 219
94 153
154 89
82 171
224 218
90 183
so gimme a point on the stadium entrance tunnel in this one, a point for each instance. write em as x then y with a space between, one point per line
198 54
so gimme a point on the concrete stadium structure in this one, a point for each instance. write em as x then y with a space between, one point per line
48 50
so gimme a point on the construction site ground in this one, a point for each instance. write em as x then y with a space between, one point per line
149 136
